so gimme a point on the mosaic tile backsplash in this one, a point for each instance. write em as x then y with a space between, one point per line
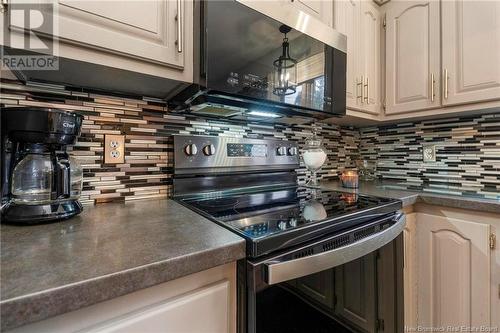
467 154
467 148
148 128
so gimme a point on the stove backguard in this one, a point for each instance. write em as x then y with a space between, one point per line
212 164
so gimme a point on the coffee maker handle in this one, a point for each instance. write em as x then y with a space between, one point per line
63 184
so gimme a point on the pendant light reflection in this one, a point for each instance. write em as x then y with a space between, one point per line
285 68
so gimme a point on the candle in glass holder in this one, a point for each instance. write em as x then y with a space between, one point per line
350 179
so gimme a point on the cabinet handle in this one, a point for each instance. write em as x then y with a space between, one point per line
432 87
367 97
179 19
359 84
3 6
445 84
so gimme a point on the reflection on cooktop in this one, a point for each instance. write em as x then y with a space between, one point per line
264 213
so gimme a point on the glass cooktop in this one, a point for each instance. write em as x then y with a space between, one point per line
270 213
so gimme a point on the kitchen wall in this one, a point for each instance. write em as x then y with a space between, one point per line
467 148
148 128
467 154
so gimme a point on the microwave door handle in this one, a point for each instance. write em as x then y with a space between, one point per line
280 271
329 80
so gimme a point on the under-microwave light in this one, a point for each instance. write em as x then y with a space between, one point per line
264 114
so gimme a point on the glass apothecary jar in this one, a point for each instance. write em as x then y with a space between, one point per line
314 156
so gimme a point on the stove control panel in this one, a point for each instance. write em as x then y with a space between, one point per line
212 152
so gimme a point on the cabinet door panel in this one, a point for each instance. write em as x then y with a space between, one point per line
346 21
495 276
355 291
412 56
471 50
410 271
319 287
116 27
204 310
453 272
370 56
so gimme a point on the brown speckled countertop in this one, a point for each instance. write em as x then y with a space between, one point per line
107 251
390 189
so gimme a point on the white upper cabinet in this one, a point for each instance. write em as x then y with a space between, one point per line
471 51
152 37
370 56
360 21
320 9
116 26
412 56
346 21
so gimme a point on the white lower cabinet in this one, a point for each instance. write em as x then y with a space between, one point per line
202 310
201 302
410 271
450 269
453 272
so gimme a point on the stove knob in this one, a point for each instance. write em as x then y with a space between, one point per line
281 151
209 150
292 151
191 149
282 225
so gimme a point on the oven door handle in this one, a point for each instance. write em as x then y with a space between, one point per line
276 271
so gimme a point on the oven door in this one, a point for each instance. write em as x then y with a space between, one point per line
347 282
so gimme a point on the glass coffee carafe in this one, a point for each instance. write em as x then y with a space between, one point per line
44 176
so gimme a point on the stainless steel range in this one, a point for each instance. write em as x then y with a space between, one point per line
317 260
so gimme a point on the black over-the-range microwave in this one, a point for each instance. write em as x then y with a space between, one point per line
264 61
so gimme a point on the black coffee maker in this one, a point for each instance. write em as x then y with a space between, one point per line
40 181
